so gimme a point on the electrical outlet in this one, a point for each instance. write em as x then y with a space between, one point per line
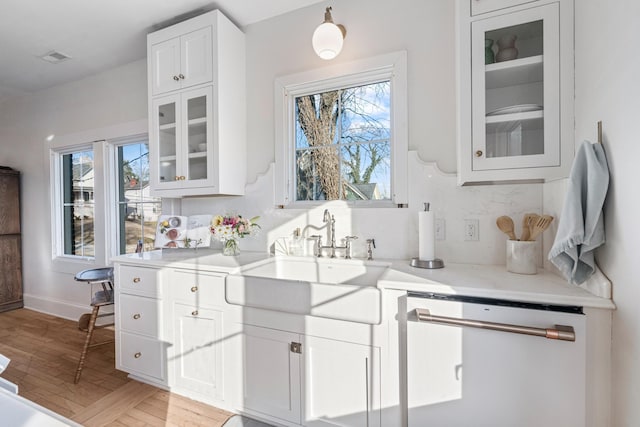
440 229
471 229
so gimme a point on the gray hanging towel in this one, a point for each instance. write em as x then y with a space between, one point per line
581 226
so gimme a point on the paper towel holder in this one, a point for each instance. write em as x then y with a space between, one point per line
431 263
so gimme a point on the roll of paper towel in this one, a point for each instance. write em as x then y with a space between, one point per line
426 234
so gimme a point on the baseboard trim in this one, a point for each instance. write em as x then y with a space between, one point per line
53 307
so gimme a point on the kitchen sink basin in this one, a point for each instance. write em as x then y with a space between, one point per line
333 288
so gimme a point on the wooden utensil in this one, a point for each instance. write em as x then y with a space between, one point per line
527 222
542 224
505 224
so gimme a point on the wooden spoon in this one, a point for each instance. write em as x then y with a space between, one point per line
542 224
527 222
505 224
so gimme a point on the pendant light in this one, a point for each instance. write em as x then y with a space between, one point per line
328 37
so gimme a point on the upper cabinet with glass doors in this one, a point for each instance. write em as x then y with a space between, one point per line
197 108
516 90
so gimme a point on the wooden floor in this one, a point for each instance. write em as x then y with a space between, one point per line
44 352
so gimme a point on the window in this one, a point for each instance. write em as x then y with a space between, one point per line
77 203
342 147
138 211
343 134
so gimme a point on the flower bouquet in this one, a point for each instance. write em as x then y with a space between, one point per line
228 229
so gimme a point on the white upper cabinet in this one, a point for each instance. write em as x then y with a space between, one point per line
182 62
197 135
484 6
516 92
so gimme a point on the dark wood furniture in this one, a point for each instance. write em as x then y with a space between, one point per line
10 243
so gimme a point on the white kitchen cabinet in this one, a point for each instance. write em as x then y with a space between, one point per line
515 103
182 125
271 370
294 377
196 356
182 62
197 350
484 6
196 87
141 346
356 368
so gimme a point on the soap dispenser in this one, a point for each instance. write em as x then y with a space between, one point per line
296 246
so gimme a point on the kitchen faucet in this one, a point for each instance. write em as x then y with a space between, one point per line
329 219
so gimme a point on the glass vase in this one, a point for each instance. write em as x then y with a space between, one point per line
230 247
489 57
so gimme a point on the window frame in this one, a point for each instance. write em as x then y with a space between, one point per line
98 139
57 203
391 67
113 187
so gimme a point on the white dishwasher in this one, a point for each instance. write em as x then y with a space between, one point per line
488 362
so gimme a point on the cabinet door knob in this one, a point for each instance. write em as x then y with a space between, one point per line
194 313
176 178
194 289
137 355
136 316
136 280
181 76
479 153
183 177
176 78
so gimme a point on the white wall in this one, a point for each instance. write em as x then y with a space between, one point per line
608 89
107 99
425 29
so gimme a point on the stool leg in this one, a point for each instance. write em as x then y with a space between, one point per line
87 342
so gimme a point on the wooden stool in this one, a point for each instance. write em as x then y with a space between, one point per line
103 277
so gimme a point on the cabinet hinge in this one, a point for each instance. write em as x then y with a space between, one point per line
295 347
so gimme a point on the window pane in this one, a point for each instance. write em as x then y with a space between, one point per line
316 119
366 171
318 174
138 211
78 203
356 123
366 113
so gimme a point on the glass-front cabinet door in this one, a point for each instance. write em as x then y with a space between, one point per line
197 134
182 127
167 139
516 90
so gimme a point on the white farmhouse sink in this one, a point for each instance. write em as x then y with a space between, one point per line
334 288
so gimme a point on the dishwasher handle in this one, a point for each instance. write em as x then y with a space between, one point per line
560 332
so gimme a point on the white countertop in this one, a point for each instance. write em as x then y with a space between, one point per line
201 259
490 281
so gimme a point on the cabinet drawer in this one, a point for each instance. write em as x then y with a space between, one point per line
198 289
140 315
483 6
139 281
141 355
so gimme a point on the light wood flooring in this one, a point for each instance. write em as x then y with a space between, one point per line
44 352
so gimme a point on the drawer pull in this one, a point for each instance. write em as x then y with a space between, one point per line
136 316
137 355
194 313
136 280
194 289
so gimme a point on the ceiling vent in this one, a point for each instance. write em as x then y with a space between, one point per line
55 57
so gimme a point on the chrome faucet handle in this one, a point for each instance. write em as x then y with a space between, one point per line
347 246
318 245
370 242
